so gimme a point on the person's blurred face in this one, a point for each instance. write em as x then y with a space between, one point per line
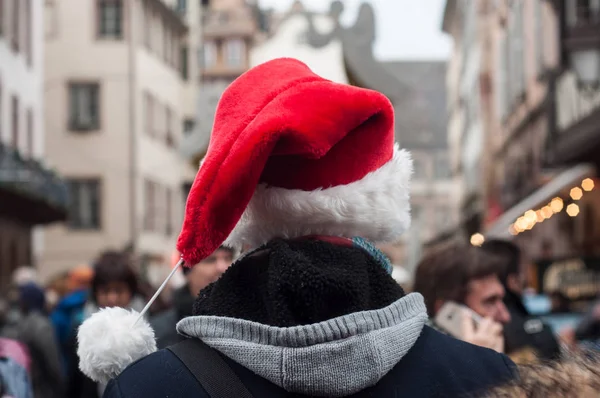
209 270
113 294
485 298
516 282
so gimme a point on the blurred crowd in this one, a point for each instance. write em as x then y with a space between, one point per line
39 322
475 294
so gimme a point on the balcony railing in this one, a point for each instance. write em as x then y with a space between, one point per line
29 179
218 24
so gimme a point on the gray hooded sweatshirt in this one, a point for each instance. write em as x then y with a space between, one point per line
337 357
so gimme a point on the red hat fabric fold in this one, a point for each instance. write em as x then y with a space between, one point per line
284 138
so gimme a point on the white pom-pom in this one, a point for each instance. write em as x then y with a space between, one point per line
110 340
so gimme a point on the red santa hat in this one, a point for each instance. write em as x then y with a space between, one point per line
291 154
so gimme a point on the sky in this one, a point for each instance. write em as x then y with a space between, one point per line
406 29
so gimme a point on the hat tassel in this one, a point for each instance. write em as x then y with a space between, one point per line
160 289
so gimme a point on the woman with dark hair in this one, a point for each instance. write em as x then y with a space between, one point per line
115 284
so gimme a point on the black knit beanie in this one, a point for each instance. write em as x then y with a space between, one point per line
290 283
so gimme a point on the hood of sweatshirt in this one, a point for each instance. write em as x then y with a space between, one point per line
312 318
334 358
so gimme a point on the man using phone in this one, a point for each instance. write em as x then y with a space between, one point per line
467 277
527 337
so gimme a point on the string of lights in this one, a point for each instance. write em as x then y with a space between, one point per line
533 217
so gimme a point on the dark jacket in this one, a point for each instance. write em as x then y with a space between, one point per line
436 366
66 317
526 336
35 330
589 326
301 319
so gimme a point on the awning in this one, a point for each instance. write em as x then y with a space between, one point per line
566 179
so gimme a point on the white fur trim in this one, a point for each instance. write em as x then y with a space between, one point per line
376 208
110 340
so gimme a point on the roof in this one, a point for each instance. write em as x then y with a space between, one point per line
421 118
417 89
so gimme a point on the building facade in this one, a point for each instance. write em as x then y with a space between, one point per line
541 77
468 90
31 194
229 29
120 92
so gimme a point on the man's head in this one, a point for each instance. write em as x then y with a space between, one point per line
512 276
463 274
209 269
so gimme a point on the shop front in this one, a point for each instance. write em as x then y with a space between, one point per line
558 224
573 283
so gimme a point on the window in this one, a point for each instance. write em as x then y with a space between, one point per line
147 26
149 114
516 61
168 51
30 132
169 211
28 32
210 55
149 205
16 26
175 52
416 215
170 140
84 106
15 122
184 62
50 23
84 211
162 32
182 6
234 52
158 119
186 187
110 15
581 12
188 126
442 166
223 17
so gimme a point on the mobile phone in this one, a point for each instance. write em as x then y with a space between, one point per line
450 318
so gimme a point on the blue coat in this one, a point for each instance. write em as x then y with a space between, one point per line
436 366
